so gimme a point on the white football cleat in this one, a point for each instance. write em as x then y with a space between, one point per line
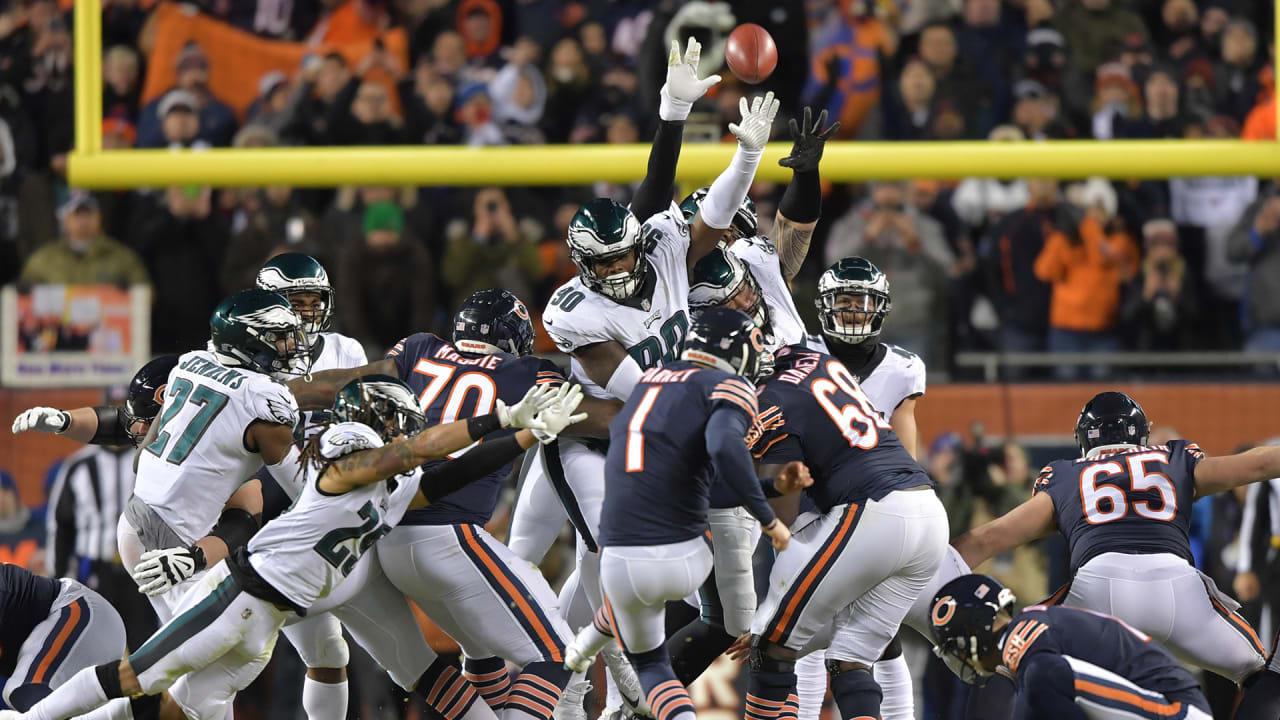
626 679
570 706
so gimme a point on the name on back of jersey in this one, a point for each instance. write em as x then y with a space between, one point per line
205 368
801 368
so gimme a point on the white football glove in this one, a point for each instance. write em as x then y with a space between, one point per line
683 88
559 414
42 419
160 570
524 414
757 122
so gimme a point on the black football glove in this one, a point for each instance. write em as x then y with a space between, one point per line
807 142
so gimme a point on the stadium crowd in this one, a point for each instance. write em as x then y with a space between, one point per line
1015 263
1018 264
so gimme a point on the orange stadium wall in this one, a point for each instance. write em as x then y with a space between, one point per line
1218 417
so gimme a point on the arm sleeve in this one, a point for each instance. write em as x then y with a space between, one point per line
111 427
802 200
729 455
654 194
477 463
624 378
288 473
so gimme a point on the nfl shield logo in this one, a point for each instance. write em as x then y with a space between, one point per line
644 305
484 329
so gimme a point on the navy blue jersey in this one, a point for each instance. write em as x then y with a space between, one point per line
1084 638
658 473
1135 501
25 600
451 385
813 410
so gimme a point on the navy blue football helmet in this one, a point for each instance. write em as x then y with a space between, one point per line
493 321
729 340
1111 418
146 394
963 618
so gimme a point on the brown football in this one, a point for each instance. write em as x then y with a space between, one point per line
751 54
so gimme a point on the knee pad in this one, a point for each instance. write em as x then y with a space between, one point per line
320 644
146 707
770 657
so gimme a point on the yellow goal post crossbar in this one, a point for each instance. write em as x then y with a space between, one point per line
91 167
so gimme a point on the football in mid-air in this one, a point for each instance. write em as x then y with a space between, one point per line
751 54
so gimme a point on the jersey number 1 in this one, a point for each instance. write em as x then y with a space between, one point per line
211 403
635 430
1092 494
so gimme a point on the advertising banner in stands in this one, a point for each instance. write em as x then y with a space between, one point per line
73 335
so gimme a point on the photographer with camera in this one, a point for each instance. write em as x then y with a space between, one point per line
492 248
1159 308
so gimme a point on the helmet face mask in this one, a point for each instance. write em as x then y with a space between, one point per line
722 280
493 321
383 403
603 235
853 301
305 283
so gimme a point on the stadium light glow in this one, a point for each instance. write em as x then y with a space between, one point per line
91 167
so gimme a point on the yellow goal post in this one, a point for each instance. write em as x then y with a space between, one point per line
89 166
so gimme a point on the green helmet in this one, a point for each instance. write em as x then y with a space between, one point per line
382 402
745 222
601 231
718 278
857 277
251 330
291 273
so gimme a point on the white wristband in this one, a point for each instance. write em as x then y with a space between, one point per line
672 110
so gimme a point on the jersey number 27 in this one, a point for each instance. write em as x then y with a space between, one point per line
181 391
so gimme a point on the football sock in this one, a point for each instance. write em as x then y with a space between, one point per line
82 693
856 693
324 701
811 684
490 677
445 689
1260 697
771 694
894 678
536 691
667 698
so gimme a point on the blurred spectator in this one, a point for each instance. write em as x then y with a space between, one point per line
46 82
1037 111
1160 309
1236 78
568 89
1007 485
1179 34
475 115
1008 255
1161 117
217 120
121 86
1115 96
427 101
384 296
183 242
910 112
1045 61
83 255
480 24
492 249
276 21
1094 30
351 22
519 95
992 47
449 56
277 101
1087 268
845 70
979 201
909 248
268 222
957 90
360 114
21 531
179 122
1256 240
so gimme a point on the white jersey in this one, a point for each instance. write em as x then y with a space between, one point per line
309 550
759 254
198 458
899 375
653 330
337 352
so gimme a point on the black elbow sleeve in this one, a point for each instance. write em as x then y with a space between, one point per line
235 527
112 427
487 457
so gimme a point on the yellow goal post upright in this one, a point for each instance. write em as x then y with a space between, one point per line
89 166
